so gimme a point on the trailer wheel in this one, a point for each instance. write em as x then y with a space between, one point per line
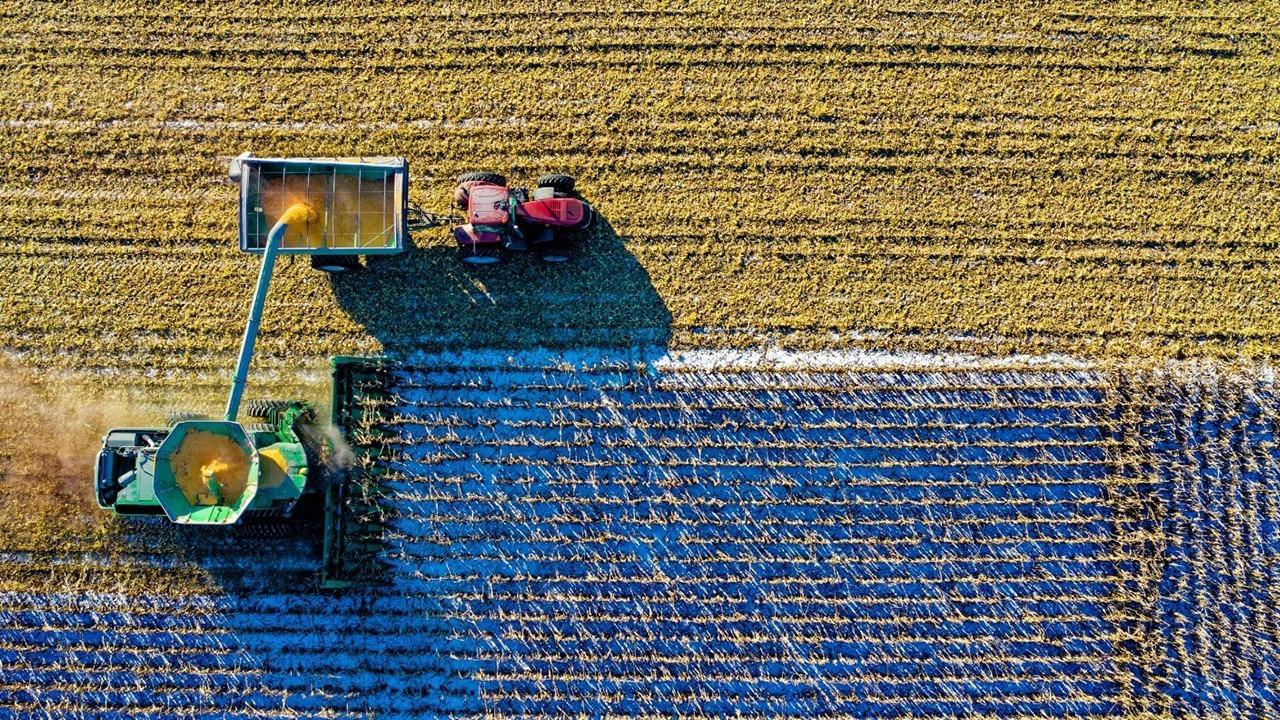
557 181
492 178
487 254
336 264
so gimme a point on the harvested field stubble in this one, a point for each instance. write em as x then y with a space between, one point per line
1096 178
887 536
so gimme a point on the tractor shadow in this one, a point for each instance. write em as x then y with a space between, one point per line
425 299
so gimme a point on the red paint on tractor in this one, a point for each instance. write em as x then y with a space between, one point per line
487 204
501 220
554 212
468 234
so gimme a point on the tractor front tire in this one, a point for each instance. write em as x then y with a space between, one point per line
336 264
487 254
492 178
557 181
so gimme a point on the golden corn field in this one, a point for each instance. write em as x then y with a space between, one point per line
1087 177
920 366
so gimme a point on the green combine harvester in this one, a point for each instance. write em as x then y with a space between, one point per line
260 470
202 471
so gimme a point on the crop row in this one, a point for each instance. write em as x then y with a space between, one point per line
528 589
60 317
587 528
1220 484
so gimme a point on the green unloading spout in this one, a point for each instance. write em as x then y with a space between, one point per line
297 213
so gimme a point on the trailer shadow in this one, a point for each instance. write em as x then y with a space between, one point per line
425 299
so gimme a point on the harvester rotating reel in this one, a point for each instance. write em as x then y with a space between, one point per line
266 410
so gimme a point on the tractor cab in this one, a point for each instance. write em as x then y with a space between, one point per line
488 204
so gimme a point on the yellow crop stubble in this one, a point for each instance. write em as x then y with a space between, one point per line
1058 177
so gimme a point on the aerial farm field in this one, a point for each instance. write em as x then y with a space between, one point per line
919 366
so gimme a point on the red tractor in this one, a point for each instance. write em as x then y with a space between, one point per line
500 219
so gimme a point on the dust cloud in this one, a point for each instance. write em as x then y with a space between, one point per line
337 453
50 433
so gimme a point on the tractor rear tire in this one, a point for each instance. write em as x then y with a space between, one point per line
492 178
549 245
264 409
336 264
557 181
487 254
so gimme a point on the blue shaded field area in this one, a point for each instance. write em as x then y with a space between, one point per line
591 536
1217 516
874 544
